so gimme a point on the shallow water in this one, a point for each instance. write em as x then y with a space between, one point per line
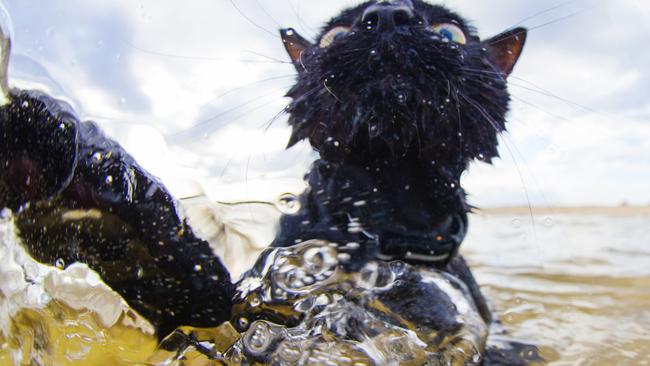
577 285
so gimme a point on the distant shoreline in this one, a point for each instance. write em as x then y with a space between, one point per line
578 210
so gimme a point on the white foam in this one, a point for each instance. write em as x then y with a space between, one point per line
28 284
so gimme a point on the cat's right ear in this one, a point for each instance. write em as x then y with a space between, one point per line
295 45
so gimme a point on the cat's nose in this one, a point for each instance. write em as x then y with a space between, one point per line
387 15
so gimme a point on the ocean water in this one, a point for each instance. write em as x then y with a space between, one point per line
577 284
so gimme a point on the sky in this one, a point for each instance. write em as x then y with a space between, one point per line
194 91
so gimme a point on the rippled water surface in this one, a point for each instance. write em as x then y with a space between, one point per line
577 284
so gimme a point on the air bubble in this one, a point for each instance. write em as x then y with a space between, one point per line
255 301
548 222
352 246
288 204
344 257
243 323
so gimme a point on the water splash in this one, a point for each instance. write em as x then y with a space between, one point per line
302 305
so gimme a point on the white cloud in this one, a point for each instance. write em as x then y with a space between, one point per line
173 65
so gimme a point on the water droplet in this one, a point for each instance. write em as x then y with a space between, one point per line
109 179
288 204
25 104
198 268
255 301
352 246
259 338
548 222
516 222
289 354
139 272
397 267
344 257
97 157
242 323
59 263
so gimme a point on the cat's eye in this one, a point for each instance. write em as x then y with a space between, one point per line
450 32
332 35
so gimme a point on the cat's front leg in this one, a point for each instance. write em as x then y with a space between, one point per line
77 196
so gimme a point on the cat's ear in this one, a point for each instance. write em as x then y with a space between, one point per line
506 48
295 44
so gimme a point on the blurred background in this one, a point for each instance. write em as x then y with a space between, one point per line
195 90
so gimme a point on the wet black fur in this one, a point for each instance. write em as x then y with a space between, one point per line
386 94
396 116
54 167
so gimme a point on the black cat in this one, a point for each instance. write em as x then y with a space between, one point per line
398 97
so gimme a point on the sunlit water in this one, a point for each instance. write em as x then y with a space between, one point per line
576 284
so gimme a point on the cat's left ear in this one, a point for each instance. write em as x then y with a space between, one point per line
506 48
295 45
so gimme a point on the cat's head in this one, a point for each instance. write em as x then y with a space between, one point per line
393 77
